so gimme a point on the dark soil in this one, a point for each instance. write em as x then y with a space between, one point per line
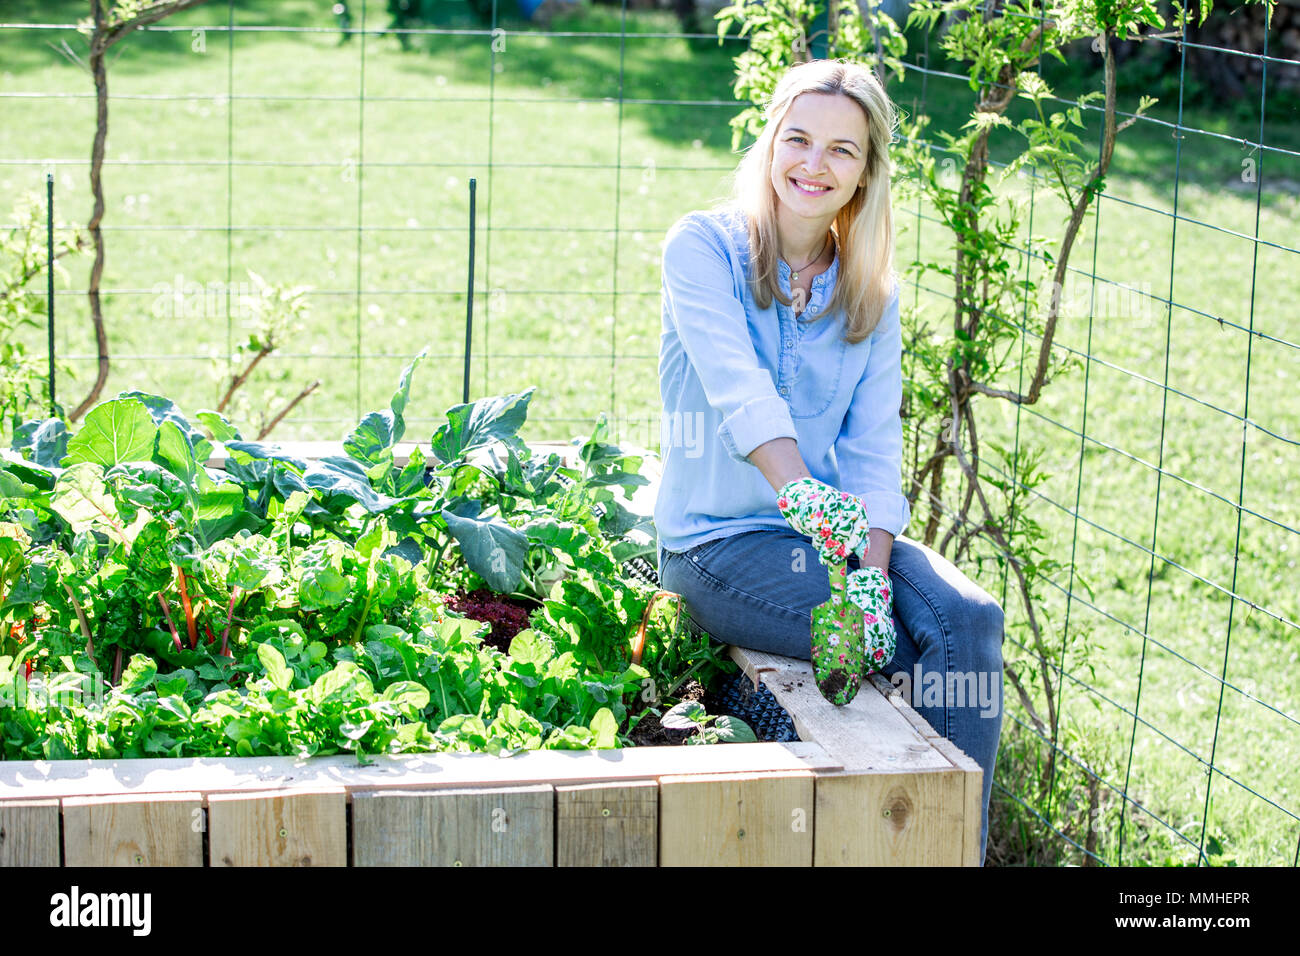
835 682
650 733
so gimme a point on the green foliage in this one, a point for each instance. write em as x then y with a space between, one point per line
23 255
287 606
710 729
778 32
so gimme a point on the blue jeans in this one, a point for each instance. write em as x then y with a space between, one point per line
754 590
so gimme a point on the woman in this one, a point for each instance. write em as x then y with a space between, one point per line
781 378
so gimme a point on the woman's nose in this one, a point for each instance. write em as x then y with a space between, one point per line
814 163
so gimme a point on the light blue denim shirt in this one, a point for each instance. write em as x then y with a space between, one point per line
733 376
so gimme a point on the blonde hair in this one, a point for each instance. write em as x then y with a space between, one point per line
864 226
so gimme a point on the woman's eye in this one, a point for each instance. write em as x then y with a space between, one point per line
842 149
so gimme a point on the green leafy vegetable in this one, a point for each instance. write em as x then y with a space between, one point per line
150 606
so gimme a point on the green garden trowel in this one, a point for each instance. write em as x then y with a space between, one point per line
837 632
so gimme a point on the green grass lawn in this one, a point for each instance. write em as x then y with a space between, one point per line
260 152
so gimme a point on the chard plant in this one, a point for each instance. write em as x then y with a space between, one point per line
155 605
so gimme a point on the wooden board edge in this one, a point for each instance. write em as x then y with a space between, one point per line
955 754
754 663
672 778
390 791
110 799
884 685
25 780
266 793
648 784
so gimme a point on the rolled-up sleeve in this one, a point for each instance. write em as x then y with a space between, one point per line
710 322
869 448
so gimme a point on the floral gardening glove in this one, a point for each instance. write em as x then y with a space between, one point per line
835 520
837 524
869 589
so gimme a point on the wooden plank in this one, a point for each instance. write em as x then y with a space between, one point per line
23 779
607 824
919 723
891 819
478 826
895 696
736 819
885 685
868 733
955 754
137 830
754 663
974 813
29 832
271 828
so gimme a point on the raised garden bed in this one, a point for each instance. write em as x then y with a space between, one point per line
869 784
345 646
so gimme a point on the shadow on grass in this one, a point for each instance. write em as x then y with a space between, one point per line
1215 137
672 71
671 68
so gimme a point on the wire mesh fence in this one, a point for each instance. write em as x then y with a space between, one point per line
319 147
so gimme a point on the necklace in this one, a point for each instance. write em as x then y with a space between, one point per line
794 273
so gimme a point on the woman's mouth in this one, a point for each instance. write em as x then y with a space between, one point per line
809 190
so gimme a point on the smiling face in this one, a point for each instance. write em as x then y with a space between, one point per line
819 154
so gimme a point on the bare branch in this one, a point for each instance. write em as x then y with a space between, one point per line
287 409
1025 701
103 36
242 377
147 16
